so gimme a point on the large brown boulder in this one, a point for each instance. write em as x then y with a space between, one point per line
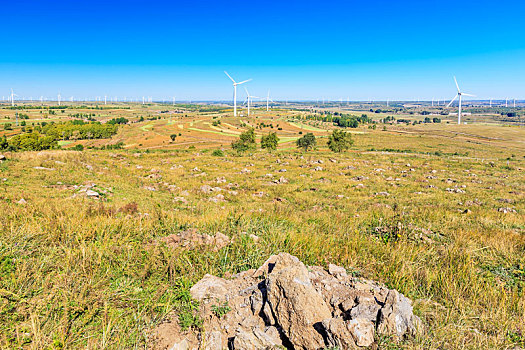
297 307
285 304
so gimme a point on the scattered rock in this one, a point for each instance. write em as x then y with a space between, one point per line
506 210
92 194
43 168
455 190
209 189
217 198
191 239
22 201
2 158
281 180
382 194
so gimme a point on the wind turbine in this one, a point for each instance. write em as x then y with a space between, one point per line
249 99
460 94
235 93
268 99
13 98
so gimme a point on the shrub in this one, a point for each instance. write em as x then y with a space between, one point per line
340 141
270 141
307 141
173 137
245 142
120 120
217 153
78 148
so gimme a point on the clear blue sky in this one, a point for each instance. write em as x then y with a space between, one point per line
298 49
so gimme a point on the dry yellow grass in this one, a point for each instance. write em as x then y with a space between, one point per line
77 272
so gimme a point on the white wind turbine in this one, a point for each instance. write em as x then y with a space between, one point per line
249 99
13 98
235 93
460 94
268 99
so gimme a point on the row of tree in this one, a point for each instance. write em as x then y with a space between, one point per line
341 120
338 141
80 130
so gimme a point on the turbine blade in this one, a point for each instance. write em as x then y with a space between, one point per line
229 76
464 94
456 83
242 82
247 93
454 99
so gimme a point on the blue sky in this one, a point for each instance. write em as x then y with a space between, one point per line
298 49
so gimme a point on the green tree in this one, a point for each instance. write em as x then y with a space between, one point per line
245 142
307 141
3 142
340 141
269 141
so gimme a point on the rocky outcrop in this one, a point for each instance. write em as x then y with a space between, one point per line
192 239
284 304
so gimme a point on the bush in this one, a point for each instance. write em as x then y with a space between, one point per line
78 148
307 141
269 141
3 143
8 126
31 142
120 120
173 137
340 141
217 153
245 142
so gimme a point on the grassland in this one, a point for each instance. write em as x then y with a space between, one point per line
433 210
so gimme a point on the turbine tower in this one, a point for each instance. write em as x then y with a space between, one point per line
58 98
460 94
249 99
235 93
268 99
13 98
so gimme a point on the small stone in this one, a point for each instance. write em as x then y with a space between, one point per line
92 194
337 271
